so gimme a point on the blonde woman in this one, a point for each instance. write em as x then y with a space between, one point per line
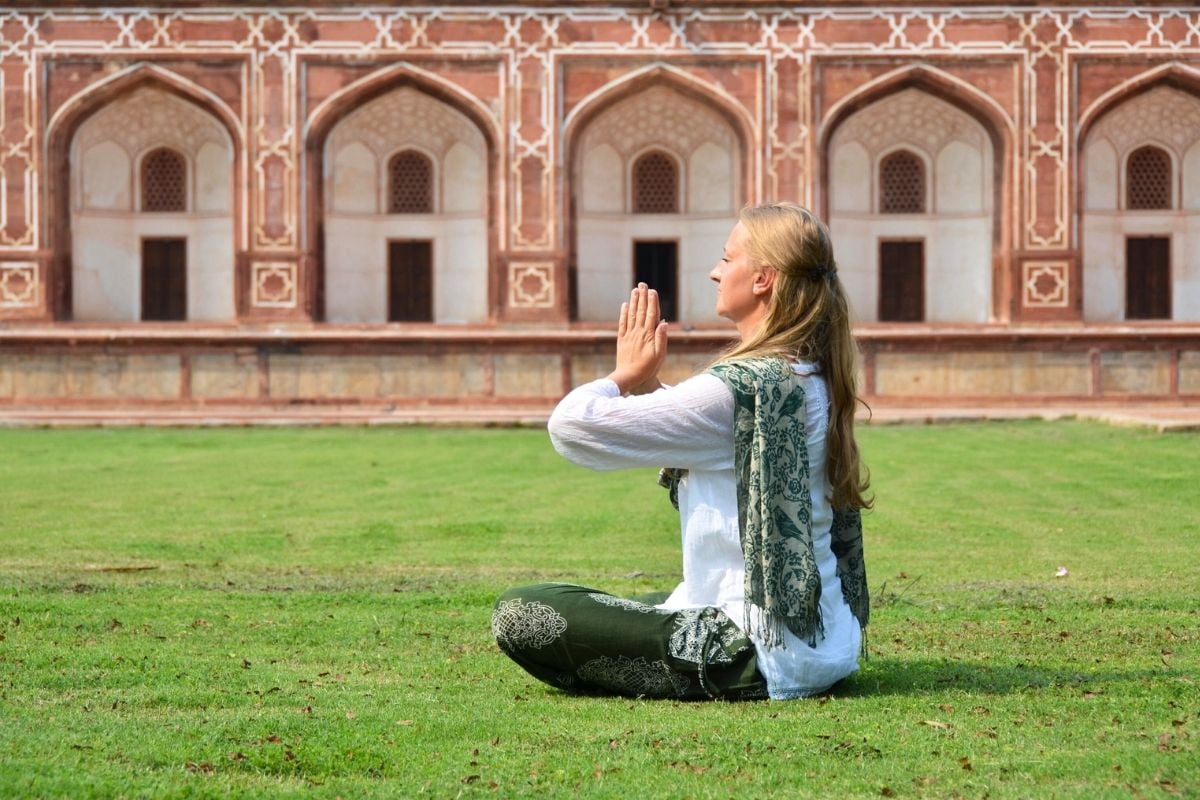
763 466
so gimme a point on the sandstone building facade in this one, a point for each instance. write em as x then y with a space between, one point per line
399 204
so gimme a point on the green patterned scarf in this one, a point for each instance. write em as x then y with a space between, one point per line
775 504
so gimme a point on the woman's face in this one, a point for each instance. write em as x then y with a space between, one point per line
743 289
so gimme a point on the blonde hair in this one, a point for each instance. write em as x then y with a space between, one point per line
808 318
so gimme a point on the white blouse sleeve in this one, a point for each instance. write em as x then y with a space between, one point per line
688 426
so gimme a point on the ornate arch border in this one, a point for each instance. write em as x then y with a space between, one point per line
1174 75
639 80
985 110
60 131
333 109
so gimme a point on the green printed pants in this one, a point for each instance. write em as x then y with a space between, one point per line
588 641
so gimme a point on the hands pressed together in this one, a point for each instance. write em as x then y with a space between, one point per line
641 343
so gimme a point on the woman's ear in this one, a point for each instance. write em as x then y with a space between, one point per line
764 281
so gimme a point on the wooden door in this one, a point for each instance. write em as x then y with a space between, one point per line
656 264
164 279
410 280
1147 277
901 281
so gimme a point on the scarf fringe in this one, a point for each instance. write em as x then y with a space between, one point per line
771 627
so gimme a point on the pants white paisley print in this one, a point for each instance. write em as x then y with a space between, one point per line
584 640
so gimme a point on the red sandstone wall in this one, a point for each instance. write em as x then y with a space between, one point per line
1036 77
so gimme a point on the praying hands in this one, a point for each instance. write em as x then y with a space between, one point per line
641 343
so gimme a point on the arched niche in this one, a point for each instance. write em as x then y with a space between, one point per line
112 154
658 120
366 273
953 234
458 174
1135 258
216 191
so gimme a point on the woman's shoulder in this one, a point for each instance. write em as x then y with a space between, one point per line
806 368
746 371
742 373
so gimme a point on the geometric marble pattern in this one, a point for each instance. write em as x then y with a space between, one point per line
18 284
658 116
1164 115
531 285
147 117
274 284
914 117
410 117
1045 284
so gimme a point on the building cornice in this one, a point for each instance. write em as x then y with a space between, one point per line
659 6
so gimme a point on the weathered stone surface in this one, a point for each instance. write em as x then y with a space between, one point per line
975 374
364 377
589 367
527 375
84 377
1189 372
1135 372
439 375
225 376
33 376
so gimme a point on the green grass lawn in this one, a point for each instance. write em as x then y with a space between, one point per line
273 612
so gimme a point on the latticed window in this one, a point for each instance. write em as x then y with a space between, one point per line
901 184
164 181
1148 178
410 183
655 184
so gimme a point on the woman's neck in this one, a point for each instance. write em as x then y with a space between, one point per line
748 325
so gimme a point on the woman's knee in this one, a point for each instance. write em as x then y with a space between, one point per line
525 616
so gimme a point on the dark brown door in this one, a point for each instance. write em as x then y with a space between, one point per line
1147 277
410 281
901 281
656 264
164 279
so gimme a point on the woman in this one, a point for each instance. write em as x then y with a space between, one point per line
764 469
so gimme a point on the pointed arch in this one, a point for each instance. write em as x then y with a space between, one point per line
997 124
1174 75
60 132
659 74
329 112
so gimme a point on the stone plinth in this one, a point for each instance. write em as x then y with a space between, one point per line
53 366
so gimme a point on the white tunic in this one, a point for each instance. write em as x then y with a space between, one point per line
691 426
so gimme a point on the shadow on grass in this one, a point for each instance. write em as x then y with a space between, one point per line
893 676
